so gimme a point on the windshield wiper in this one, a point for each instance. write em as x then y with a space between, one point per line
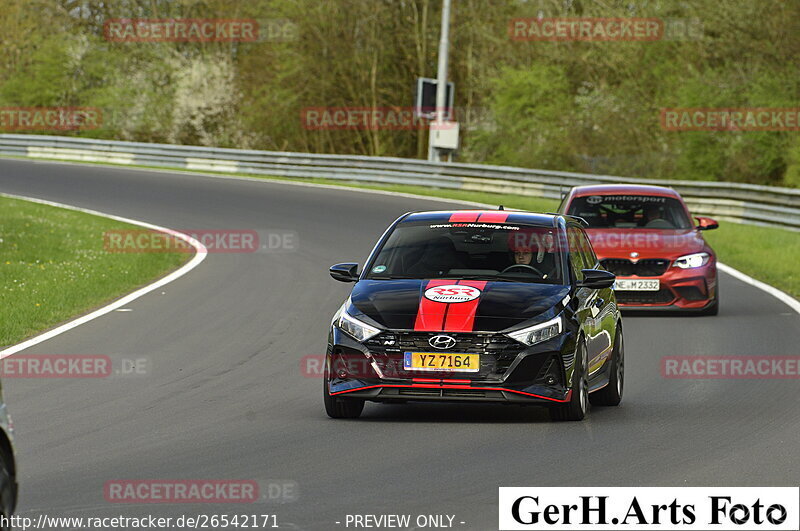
528 280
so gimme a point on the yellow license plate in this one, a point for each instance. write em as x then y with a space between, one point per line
441 361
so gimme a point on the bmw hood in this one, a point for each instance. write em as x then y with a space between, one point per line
649 243
453 305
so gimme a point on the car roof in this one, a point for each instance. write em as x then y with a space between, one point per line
624 189
485 216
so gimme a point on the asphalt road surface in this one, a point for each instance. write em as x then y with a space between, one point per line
225 396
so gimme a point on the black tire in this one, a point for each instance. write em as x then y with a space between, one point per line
8 491
611 395
340 408
578 405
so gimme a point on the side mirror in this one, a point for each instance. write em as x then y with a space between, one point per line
344 272
704 223
597 279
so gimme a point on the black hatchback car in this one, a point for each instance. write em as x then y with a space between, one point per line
477 306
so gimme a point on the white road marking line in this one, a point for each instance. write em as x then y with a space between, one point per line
785 298
199 256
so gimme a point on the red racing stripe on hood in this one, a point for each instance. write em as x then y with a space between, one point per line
435 316
431 314
461 316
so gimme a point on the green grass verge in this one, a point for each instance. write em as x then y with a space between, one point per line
765 253
53 266
768 254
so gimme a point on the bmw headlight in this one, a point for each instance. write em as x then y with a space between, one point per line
692 260
353 327
538 333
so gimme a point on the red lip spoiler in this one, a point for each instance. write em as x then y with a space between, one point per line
442 386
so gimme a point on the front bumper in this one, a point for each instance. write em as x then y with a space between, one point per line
509 372
680 290
447 391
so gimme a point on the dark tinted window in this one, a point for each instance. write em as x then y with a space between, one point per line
589 258
630 212
577 256
483 251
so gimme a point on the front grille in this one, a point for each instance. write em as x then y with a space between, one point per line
420 391
662 296
477 343
464 393
443 392
649 267
497 352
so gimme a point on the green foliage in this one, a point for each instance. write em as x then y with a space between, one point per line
42 83
532 112
792 177
580 106
732 155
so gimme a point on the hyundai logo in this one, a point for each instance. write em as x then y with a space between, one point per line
442 342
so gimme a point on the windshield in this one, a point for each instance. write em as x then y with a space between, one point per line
513 253
631 212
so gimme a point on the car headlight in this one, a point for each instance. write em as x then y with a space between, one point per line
538 333
353 327
692 260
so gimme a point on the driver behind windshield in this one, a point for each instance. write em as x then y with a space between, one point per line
650 213
523 256
653 217
528 250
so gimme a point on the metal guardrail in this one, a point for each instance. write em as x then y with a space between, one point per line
744 203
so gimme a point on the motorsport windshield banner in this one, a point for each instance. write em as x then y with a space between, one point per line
650 508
